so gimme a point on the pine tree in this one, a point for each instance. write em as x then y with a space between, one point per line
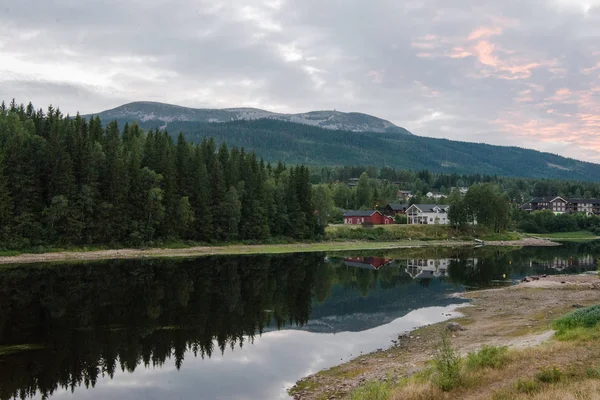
200 198
217 197
233 207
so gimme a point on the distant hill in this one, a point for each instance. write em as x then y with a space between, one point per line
165 114
278 139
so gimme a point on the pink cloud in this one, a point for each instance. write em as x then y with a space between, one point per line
459 52
484 32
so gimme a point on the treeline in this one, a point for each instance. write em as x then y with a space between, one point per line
377 187
69 181
547 222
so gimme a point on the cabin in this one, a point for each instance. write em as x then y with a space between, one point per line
425 214
369 217
394 209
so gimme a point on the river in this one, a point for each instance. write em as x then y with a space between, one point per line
233 327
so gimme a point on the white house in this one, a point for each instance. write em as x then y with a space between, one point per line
424 214
432 195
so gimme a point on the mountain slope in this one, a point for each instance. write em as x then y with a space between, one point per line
277 140
165 114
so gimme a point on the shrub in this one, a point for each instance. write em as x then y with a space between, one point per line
487 357
447 365
527 386
372 391
549 375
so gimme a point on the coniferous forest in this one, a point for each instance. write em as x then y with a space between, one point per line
72 181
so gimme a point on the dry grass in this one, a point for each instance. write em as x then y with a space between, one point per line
517 374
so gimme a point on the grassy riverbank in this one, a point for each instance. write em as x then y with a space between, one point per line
414 232
524 358
575 236
330 246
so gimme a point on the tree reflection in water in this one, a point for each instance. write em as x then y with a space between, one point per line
94 319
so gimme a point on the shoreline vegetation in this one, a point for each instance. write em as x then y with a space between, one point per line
536 340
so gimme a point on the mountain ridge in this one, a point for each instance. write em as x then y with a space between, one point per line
145 111
295 143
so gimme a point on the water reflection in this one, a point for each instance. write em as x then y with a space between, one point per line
248 324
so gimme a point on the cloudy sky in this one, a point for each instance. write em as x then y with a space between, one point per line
510 72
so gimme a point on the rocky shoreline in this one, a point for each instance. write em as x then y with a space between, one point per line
518 316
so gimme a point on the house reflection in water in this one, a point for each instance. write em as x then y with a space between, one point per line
433 268
367 262
561 264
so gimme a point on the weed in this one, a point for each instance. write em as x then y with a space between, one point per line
373 391
487 357
593 373
527 386
549 375
447 365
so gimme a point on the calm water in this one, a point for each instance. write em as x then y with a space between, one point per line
232 327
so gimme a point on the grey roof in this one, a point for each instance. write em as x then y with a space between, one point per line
360 213
430 207
397 207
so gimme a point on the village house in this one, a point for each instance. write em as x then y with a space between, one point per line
370 217
352 182
423 214
560 205
404 195
462 190
394 209
433 195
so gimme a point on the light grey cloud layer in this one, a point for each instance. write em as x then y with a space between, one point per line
518 72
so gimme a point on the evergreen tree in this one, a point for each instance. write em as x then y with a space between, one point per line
233 206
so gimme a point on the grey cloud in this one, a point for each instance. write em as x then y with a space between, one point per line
399 60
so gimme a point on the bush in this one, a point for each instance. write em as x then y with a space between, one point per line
527 386
583 318
372 391
487 357
549 375
447 366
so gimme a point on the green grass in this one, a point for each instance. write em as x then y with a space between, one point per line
487 357
413 232
588 317
579 235
375 390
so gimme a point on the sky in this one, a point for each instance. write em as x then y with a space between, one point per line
511 72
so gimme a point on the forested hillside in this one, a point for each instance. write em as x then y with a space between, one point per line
67 181
298 143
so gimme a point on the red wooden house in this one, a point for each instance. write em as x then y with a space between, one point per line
370 217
